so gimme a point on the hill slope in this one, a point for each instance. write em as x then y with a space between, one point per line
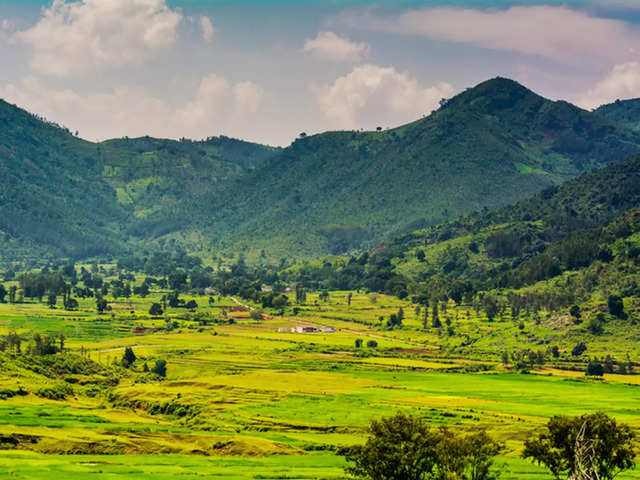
330 193
584 232
487 147
624 112
61 195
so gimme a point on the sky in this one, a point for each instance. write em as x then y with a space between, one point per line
265 70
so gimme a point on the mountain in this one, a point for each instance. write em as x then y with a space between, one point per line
490 146
623 112
61 195
567 242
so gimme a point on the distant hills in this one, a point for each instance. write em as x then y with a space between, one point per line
63 196
490 146
623 112
487 147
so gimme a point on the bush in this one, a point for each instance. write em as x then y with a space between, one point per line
596 324
128 357
595 368
372 344
59 391
160 368
155 310
579 349
616 307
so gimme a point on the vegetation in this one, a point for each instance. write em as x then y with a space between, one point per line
331 193
145 316
405 448
589 446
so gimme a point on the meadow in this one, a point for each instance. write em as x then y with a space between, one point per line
250 399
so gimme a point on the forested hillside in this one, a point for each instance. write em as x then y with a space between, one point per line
61 195
583 232
489 146
624 112
335 192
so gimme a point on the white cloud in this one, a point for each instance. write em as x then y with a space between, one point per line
217 107
371 95
77 37
208 29
558 33
332 47
622 82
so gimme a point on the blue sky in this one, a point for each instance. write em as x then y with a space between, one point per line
267 70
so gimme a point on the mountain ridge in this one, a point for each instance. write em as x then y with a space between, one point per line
333 192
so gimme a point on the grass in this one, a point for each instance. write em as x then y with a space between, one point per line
245 401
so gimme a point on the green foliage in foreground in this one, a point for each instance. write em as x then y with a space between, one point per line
589 446
405 448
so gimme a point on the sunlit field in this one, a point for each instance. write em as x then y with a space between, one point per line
247 398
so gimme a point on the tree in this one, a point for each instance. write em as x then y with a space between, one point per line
3 293
616 307
372 344
588 447
596 323
595 368
256 314
280 302
128 357
301 295
491 306
12 293
575 312
160 368
405 448
191 305
101 304
398 448
358 343
435 317
51 300
579 349
349 296
155 310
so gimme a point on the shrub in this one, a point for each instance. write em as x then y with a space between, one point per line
155 310
579 349
160 368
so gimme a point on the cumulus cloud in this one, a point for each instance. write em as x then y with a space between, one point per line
622 82
217 106
208 29
332 47
557 33
76 37
371 95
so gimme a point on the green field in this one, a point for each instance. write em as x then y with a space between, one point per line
248 399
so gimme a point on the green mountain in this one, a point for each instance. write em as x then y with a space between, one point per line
61 195
577 239
487 147
624 112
